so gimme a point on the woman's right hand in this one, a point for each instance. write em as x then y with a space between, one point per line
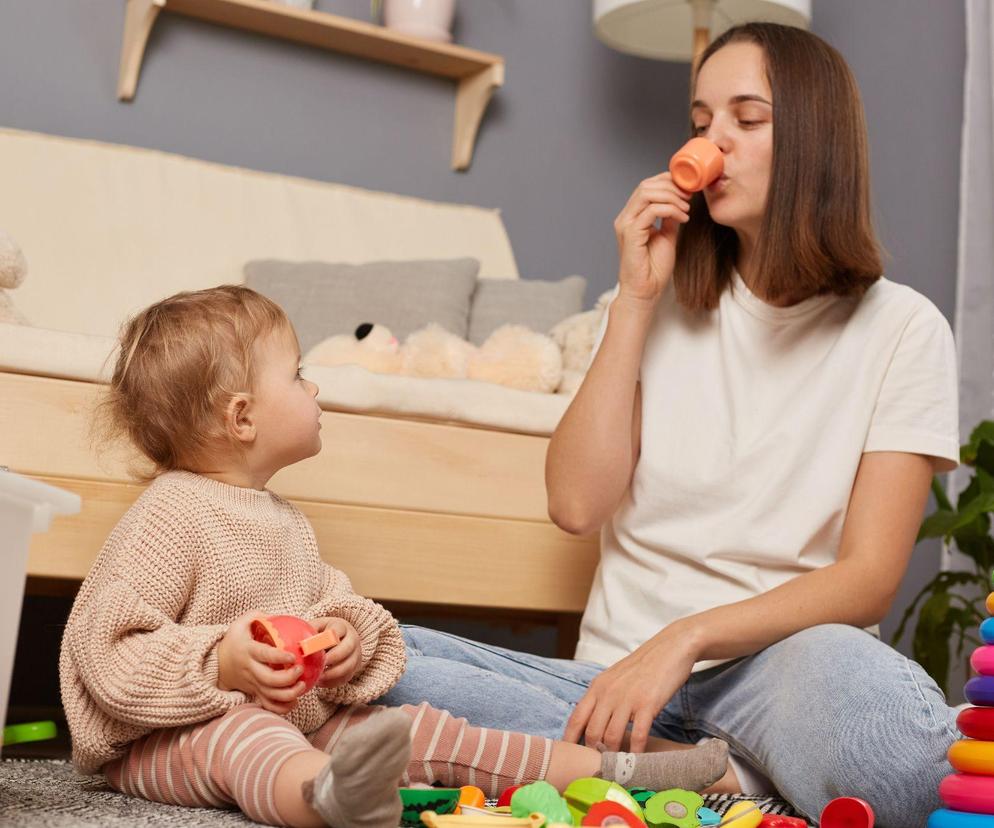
647 254
243 664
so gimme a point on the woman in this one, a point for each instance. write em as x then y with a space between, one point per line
756 435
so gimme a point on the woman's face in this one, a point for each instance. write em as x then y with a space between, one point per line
733 108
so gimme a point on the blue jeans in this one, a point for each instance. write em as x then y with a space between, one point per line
828 712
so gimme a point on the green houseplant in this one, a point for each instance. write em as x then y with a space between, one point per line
953 603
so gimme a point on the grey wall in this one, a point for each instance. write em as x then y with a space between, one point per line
576 126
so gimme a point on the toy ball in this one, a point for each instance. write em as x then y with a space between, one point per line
297 637
505 798
611 813
582 794
674 808
847 812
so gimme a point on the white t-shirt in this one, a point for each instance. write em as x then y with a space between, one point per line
754 419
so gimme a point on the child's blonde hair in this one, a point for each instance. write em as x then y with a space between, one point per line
180 363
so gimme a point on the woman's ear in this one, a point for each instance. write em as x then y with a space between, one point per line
238 419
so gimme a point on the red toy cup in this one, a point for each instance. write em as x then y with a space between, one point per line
696 164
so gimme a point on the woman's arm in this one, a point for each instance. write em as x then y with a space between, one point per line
594 449
885 511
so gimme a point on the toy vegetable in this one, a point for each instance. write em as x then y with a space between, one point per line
297 637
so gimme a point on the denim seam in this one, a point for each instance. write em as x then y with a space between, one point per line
734 744
928 707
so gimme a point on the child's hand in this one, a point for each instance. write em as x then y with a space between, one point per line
342 660
243 664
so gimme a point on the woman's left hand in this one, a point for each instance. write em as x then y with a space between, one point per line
633 690
342 660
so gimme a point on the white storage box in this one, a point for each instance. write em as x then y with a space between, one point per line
26 507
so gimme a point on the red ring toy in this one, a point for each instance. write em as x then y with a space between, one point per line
847 812
977 723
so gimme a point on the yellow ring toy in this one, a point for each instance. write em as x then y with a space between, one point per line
972 756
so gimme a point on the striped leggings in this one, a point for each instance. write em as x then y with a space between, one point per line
233 760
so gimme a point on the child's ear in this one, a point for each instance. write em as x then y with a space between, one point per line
238 419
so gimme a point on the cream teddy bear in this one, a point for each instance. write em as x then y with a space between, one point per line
13 269
512 355
576 335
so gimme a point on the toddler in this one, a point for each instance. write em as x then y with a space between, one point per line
165 690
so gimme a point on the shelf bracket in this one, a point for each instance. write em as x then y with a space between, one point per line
472 97
139 17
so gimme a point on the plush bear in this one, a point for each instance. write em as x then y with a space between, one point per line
512 355
576 335
13 269
372 347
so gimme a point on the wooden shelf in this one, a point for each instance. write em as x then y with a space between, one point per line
477 74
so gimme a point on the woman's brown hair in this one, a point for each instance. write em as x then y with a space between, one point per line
180 362
817 234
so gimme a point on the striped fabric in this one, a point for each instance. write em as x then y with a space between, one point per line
233 760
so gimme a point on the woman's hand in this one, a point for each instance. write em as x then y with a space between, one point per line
647 254
243 664
342 660
633 690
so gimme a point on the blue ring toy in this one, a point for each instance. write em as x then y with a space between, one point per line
980 690
987 630
959 819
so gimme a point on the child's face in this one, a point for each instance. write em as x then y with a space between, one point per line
286 414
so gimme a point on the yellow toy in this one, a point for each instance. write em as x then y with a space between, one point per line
433 820
742 815
972 756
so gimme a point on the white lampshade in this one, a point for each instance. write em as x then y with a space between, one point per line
664 29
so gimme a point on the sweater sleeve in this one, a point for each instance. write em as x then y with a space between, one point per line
383 654
138 663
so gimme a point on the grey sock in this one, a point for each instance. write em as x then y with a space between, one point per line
358 787
692 770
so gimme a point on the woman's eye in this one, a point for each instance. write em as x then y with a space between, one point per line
700 129
749 123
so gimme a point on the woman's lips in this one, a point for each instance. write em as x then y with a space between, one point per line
718 184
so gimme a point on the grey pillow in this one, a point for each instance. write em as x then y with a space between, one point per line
535 304
323 299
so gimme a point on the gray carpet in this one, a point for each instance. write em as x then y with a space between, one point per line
50 794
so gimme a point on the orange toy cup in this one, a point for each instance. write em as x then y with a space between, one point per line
297 637
696 164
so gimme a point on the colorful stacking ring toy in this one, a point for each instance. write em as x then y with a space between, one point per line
980 690
968 792
972 756
976 722
990 604
957 819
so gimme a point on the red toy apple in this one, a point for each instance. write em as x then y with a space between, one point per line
297 637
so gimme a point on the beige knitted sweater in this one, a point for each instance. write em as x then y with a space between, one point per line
139 652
